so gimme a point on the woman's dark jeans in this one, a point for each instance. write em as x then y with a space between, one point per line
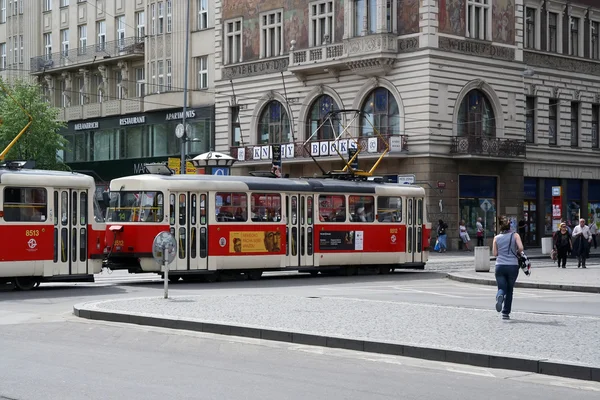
506 276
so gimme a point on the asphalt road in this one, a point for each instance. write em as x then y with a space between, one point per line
78 359
50 354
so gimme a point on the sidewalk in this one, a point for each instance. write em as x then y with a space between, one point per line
528 342
552 278
534 253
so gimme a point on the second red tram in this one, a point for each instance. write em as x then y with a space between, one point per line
256 224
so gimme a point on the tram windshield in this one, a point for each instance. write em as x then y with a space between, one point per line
135 206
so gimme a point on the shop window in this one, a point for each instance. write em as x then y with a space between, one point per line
476 115
332 208
380 112
573 202
548 184
274 124
231 207
473 191
389 209
362 208
317 127
594 202
265 207
22 204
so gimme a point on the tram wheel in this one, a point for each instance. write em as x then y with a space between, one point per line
348 271
254 275
174 279
26 283
314 273
383 270
210 278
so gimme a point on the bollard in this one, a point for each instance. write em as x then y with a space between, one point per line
482 259
547 245
166 272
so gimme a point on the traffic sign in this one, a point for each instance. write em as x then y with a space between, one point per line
486 205
164 248
406 179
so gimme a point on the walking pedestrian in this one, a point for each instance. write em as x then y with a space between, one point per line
441 231
594 231
506 246
581 245
562 245
464 235
479 227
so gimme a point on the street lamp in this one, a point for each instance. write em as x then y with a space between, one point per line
182 134
212 160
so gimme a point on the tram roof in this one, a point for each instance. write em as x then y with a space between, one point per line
39 177
253 183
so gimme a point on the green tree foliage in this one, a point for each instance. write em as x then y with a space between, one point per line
41 141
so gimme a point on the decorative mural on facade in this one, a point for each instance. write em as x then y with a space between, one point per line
408 17
295 22
452 17
503 20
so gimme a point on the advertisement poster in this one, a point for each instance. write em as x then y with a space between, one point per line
255 242
341 240
276 165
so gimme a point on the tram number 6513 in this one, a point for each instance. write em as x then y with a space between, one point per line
32 232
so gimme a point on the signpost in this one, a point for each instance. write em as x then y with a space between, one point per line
485 206
406 179
164 249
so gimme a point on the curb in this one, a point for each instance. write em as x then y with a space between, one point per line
543 366
526 285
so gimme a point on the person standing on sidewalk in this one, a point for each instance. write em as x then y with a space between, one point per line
506 246
594 232
464 235
479 227
441 231
562 245
581 245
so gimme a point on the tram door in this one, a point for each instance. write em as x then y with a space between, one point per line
299 230
189 226
414 230
71 216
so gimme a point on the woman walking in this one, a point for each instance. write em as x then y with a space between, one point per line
562 245
441 231
505 247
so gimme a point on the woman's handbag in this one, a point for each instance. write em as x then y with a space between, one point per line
437 246
553 255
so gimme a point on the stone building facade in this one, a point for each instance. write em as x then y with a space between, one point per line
480 100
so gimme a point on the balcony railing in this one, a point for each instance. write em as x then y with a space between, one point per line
318 54
296 150
492 147
77 56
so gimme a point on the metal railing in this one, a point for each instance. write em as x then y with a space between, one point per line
300 152
73 57
493 147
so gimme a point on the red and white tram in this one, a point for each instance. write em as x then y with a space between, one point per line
49 228
254 224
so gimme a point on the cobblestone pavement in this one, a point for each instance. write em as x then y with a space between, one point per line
559 338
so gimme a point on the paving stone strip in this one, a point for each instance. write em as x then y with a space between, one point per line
556 338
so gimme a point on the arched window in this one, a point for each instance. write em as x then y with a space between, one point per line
274 124
380 111
316 122
476 116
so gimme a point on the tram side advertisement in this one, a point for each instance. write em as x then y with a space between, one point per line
341 240
255 242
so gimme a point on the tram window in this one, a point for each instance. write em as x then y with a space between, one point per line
25 204
309 206
419 212
202 209
182 208
74 204
389 209
362 208
55 210
332 208
64 208
193 208
231 207
64 242
134 206
265 207
82 244
172 209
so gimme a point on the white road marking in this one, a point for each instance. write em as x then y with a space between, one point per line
482 372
